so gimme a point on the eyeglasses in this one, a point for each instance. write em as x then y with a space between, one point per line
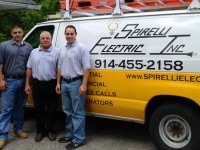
19 32
69 33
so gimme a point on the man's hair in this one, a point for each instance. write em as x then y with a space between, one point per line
71 26
16 26
46 32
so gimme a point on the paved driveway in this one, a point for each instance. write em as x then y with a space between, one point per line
102 134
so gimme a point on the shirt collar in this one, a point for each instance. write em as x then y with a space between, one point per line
13 42
46 50
73 44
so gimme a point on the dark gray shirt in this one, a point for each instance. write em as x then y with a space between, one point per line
14 57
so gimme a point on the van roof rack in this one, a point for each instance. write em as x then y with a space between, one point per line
122 6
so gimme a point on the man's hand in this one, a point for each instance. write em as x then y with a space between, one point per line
82 89
58 89
3 84
27 89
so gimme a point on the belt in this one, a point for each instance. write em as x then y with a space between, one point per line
44 82
15 77
72 79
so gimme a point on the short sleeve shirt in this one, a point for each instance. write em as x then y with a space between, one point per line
73 59
14 57
44 63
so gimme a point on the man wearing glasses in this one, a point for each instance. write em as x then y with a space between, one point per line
14 55
74 67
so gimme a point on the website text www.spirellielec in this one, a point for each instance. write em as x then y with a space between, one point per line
171 77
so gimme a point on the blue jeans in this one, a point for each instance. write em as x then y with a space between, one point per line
74 108
13 101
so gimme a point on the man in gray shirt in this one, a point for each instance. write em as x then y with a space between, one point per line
74 64
14 55
42 66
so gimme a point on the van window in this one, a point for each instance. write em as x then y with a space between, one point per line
34 37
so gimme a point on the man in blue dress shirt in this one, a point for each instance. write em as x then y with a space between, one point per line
14 55
42 66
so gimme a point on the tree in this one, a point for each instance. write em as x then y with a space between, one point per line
27 19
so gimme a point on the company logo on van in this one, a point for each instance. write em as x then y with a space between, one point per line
112 27
136 40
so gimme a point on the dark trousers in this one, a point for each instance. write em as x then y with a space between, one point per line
45 101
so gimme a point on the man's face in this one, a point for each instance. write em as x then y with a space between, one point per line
45 40
17 34
70 35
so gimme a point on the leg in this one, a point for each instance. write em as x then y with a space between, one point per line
18 113
7 101
39 103
51 107
67 108
78 119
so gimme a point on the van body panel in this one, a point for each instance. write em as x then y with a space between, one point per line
141 64
119 92
134 59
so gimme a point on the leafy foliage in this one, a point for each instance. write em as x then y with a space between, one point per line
27 19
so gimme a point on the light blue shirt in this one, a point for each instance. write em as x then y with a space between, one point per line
73 59
44 63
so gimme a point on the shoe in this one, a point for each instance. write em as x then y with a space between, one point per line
3 143
52 136
64 139
73 145
39 136
21 134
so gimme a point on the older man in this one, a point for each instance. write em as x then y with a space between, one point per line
42 66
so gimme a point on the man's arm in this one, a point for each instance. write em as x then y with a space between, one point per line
58 89
83 87
28 78
1 62
3 84
1 74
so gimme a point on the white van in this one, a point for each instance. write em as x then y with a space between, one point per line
145 68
